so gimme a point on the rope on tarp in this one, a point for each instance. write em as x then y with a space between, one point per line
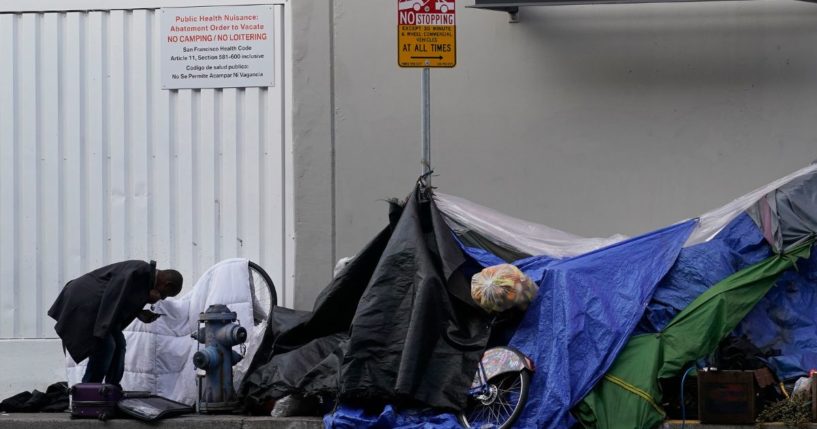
636 391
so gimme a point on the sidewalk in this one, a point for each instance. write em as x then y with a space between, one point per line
64 421
694 424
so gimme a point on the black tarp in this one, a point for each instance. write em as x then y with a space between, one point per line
396 325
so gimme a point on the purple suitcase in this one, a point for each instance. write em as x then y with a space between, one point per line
94 400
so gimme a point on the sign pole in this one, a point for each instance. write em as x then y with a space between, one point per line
425 122
426 38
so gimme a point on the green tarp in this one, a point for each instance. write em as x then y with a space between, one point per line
628 396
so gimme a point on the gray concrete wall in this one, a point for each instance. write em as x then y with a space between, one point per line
591 119
312 146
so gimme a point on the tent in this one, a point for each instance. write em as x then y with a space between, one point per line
613 314
397 325
771 226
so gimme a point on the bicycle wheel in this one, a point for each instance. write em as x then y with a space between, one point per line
264 296
500 404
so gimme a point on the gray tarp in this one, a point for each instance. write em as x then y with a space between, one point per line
789 213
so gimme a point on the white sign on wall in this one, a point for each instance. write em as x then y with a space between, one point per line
217 47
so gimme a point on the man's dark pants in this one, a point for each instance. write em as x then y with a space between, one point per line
107 361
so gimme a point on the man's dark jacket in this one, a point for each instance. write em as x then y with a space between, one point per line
91 306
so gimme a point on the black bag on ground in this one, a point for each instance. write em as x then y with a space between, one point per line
152 408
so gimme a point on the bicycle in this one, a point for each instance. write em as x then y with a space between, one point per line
499 390
264 295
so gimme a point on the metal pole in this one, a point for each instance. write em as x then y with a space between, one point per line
425 122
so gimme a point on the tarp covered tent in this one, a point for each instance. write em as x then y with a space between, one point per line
629 394
397 325
405 296
586 309
769 221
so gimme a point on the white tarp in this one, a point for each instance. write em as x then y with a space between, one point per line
529 237
536 239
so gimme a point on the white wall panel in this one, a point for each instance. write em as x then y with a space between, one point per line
74 140
49 122
99 164
26 311
8 174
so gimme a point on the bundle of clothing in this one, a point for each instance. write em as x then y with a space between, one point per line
53 400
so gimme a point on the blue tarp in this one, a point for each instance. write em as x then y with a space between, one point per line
585 311
481 256
346 417
533 266
786 320
739 245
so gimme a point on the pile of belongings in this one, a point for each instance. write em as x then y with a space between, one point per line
53 400
502 287
612 317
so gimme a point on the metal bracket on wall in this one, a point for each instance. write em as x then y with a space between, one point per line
512 6
513 11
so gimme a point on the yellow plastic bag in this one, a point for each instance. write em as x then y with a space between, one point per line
502 287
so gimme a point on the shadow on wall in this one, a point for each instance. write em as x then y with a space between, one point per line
702 44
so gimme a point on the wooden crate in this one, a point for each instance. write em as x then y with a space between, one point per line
726 397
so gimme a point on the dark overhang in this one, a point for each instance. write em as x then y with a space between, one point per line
512 6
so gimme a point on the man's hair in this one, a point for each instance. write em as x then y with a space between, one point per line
173 281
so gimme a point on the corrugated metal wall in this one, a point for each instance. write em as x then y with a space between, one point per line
99 164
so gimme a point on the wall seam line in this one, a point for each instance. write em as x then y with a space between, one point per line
332 149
